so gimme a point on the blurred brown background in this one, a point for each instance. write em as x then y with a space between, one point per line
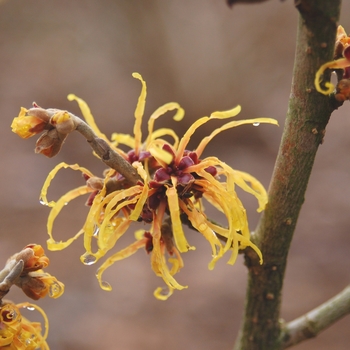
207 57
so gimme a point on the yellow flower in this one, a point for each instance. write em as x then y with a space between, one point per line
342 61
174 183
18 333
26 125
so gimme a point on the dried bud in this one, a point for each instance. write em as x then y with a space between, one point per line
50 143
96 183
343 90
24 269
38 284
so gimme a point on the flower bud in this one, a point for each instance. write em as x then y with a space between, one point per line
50 142
63 122
38 284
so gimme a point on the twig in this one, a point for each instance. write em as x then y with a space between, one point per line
8 276
318 319
106 153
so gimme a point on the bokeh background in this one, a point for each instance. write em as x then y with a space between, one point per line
207 57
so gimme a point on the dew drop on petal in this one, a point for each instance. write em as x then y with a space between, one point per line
202 227
88 259
55 290
96 230
30 308
106 286
256 124
42 202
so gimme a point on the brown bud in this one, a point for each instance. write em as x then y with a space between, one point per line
50 143
96 183
343 90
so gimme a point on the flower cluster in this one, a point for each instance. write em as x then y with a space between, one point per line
17 332
341 62
25 270
172 184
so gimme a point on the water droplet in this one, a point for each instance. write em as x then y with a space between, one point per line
106 286
96 231
88 259
65 203
42 202
28 342
202 227
55 290
30 308
256 124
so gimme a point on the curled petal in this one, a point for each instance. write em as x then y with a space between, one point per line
52 174
56 209
123 254
140 108
341 63
163 132
161 294
161 111
31 326
87 115
230 125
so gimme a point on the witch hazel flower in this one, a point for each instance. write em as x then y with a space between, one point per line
341 62
17 332
165 194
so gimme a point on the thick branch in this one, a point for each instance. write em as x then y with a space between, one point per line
318 319
307 116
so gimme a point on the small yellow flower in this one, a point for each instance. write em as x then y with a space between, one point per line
342 61
174 183
26 125
18 333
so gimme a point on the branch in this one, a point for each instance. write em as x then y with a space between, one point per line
307 116
318 319
107 154
9 275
